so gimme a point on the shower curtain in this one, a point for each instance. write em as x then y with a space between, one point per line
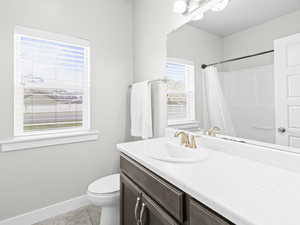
215 109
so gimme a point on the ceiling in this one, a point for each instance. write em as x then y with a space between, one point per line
242 14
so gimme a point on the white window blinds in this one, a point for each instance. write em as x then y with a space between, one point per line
181 91
52 84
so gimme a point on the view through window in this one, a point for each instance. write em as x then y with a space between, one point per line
181 91
51 83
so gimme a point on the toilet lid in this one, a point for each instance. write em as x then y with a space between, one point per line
105 185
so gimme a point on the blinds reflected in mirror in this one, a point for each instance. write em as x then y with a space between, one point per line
181 91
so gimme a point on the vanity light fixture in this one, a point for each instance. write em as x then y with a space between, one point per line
195 9
180 6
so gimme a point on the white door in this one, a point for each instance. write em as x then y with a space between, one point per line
287 90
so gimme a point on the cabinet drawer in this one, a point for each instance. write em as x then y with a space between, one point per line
169 197
201 215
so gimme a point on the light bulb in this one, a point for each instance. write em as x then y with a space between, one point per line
199 16
180 7
221 5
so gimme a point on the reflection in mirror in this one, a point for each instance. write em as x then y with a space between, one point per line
239 70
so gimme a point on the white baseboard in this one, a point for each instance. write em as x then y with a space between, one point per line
47 212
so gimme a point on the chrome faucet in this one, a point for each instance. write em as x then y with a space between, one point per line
213 131
185 139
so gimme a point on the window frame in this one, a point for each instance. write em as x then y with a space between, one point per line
190 92
19 107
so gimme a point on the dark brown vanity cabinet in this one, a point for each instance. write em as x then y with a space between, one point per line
139 209
201 215
130 201
147 199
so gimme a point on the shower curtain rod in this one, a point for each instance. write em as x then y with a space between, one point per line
236 59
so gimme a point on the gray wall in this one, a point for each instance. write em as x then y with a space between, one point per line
194 45
153 20
36 178
198 46
257 39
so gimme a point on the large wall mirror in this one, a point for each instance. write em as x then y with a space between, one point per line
239 70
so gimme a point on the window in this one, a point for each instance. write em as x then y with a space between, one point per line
181 91
51 83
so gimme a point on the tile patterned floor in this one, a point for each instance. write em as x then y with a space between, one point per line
89 215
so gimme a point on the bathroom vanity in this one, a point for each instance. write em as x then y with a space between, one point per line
233 84
235 183
150 199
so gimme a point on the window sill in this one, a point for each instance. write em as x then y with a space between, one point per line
36 141
183 123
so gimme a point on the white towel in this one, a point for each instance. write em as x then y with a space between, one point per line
159 108
140 110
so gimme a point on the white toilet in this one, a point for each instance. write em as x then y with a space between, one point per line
105 193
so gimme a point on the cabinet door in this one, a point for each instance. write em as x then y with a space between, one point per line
168 196
152 214
130 204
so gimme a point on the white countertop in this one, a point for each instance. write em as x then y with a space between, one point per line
244 191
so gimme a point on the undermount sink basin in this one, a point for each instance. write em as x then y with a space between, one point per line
171 152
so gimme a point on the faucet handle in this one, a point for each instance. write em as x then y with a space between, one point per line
193 143
178 133
213 131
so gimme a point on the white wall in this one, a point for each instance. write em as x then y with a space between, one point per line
257 39
192 44
153 20
39 177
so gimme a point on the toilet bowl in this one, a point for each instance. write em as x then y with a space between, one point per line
105 193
